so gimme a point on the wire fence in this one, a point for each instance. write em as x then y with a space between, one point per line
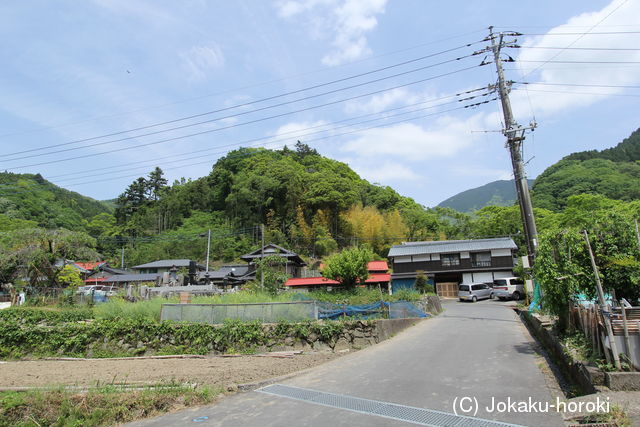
297 311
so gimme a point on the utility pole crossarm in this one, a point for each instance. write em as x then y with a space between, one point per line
515 136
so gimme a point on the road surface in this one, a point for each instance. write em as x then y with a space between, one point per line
474 355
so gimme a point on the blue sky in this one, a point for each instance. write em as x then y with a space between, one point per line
77 71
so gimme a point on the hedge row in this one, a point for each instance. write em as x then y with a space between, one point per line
126 337
34 315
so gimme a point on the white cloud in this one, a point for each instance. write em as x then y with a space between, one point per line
345 22
386 171
581 72
200 60
411 142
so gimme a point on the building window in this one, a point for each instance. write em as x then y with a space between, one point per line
481 259
449 260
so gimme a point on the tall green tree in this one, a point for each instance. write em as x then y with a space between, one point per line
348 267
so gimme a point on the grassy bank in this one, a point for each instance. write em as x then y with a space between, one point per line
129 337
104 406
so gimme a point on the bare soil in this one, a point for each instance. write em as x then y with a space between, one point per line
225 372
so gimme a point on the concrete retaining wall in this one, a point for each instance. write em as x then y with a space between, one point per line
579 374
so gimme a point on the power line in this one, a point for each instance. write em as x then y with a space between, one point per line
272 142
582 35
245 123
308 141
240 114
577 62
269 98
290 77
574 48
584 93
578 84
331 127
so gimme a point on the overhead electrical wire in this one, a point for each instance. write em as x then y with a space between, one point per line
268 142
577 39
574 48
264 83
249 112
270 98
244 123
472 105
585 93
596 33
306 141
297 133
579 62
578 84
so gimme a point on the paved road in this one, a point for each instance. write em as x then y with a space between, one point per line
478 350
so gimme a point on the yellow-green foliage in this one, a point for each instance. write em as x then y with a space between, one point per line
69 277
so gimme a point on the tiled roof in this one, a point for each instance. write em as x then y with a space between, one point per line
89 265
95 280
152 277
311 281
166 263
445 246
378 266
323 281
378 278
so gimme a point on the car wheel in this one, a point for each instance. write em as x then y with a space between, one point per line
515 296
461 300
474 299
492 296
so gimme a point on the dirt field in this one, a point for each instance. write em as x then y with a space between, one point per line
215 371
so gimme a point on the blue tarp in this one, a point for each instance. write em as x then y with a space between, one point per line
395 310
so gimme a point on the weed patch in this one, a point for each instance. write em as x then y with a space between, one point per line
105 406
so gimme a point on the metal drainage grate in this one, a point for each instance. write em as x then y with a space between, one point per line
425 417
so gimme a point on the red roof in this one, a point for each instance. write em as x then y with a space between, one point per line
378 266
311 281
89 265
323 281
95 279
378 277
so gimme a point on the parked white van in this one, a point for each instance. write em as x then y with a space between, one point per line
508 288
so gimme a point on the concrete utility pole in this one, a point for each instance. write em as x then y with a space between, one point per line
515 136
262 256
122 259
208 247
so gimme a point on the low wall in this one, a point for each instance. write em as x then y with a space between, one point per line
109 338
623 381
585 378
430 304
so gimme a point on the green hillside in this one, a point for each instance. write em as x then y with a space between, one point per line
613 173
307 202
27 199
496 193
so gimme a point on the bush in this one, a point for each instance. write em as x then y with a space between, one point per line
49 316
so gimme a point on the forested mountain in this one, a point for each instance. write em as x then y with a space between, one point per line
27 199
614 173
496 193
307 202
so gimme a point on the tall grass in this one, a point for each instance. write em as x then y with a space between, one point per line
150 309
141 310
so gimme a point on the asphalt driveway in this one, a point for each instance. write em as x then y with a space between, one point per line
472 356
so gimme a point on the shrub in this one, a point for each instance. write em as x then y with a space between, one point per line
49 316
